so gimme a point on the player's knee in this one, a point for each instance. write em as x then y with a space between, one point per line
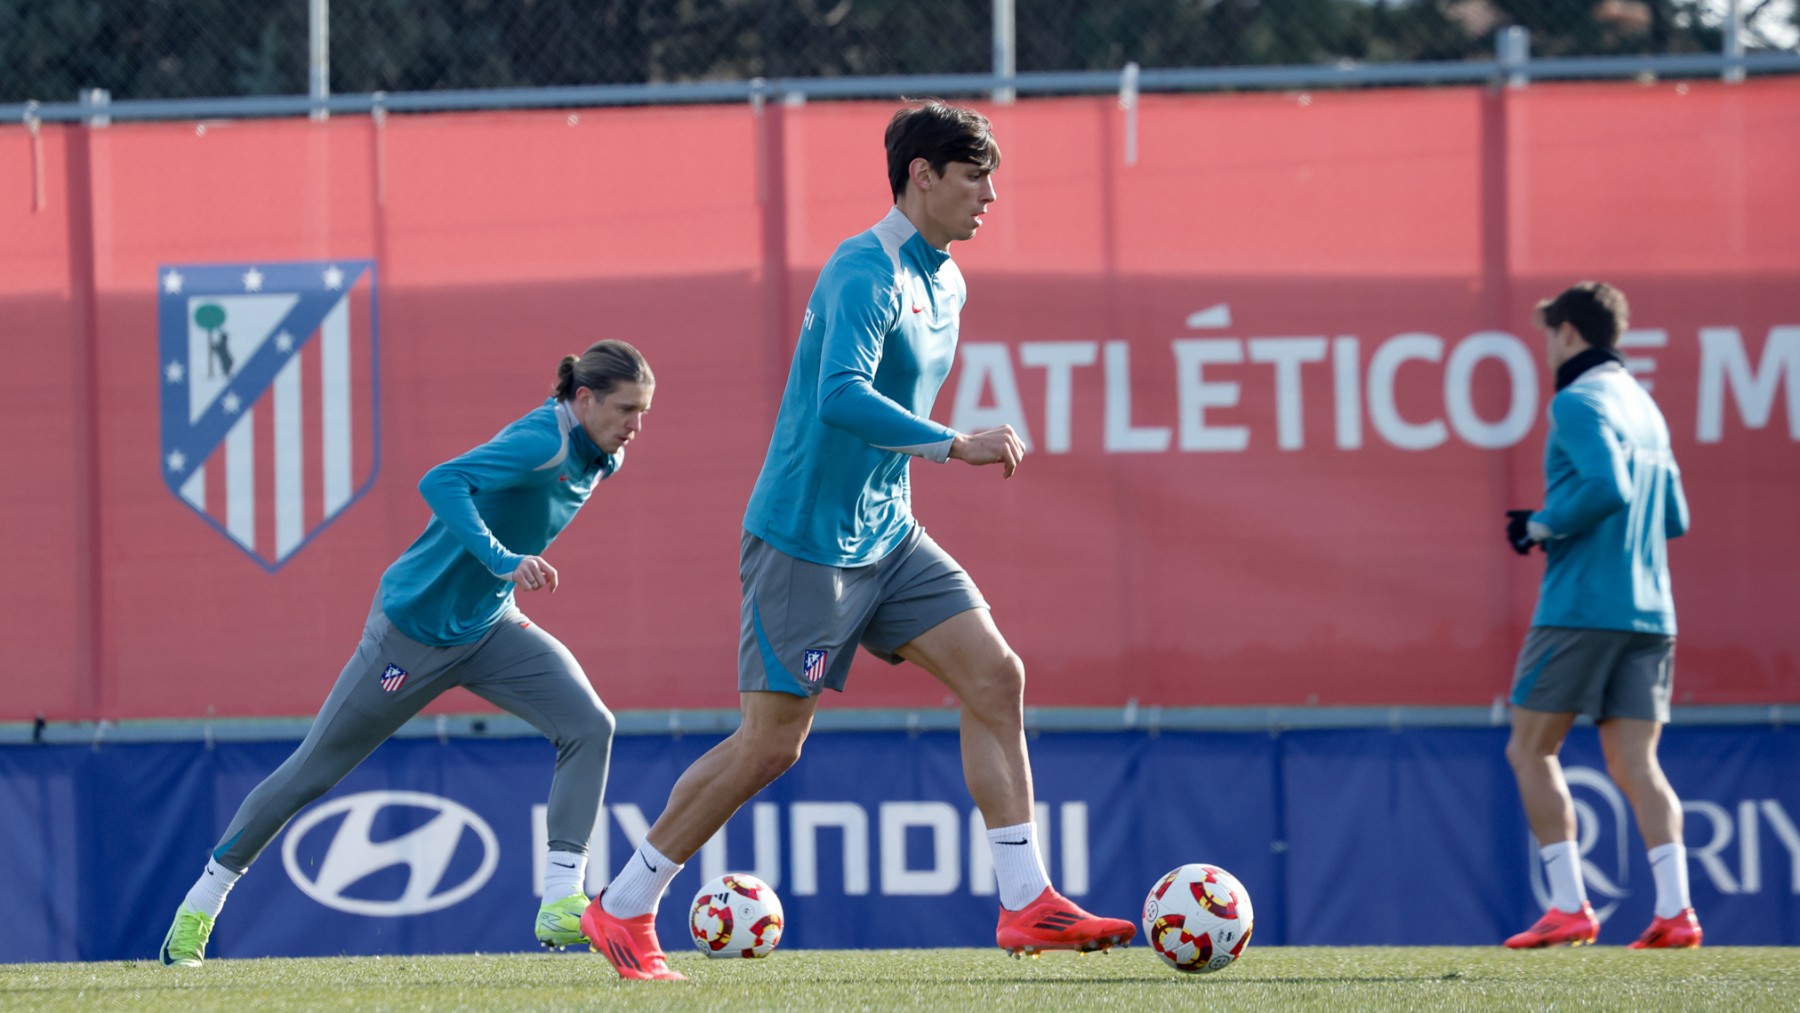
1009 680
1520 753
1633 772
1000 691
767 764
767 757
596 726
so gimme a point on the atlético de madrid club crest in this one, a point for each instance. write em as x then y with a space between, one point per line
270 427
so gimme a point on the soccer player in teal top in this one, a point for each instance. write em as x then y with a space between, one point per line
445 616
1602 640
832 557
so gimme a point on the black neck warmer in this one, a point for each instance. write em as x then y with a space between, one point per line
1584 361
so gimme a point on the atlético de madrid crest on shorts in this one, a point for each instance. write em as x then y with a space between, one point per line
270 427
812 667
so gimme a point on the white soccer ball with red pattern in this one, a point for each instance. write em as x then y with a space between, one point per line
735 915
1198 918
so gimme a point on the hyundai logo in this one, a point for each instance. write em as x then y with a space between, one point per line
425 851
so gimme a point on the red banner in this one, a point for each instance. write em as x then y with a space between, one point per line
1276 370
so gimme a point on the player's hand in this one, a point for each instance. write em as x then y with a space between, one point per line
999 446
534 573
1518 531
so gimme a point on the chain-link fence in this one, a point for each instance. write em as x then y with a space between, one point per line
136 49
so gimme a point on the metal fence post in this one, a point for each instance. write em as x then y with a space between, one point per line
96 105
1128 101
1733 47
318 23
34 126
1005 46
378 119
80 184
1512 47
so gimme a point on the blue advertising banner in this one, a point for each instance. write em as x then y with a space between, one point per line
1345 836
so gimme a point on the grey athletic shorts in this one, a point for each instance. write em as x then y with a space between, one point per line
1600 673
801 621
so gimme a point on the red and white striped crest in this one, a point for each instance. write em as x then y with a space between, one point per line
270 427
392 678
813 666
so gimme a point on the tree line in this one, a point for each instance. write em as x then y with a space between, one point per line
215 48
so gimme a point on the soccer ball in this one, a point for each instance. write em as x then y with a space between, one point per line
1198 918
735 915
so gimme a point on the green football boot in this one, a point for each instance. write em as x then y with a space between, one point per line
185 945
559 922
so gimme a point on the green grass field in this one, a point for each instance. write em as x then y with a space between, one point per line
1736 979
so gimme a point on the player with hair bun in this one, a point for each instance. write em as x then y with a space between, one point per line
445 616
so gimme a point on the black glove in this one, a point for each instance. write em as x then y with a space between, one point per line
1518 531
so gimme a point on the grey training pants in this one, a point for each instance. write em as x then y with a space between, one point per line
515 666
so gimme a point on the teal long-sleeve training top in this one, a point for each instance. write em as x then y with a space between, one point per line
1613 499
490 508
875 346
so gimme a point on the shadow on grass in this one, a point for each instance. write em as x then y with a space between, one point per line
1174 979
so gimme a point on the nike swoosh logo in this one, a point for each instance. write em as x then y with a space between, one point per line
646 862
564 865
918 309
1010 842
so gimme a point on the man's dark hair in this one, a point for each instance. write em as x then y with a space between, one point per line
940 134
1596 310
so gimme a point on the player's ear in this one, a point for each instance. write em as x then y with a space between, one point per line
921 173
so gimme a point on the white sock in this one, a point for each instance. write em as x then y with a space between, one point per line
563 874
1562 867
638 887
1017 865
208 893
1668 862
